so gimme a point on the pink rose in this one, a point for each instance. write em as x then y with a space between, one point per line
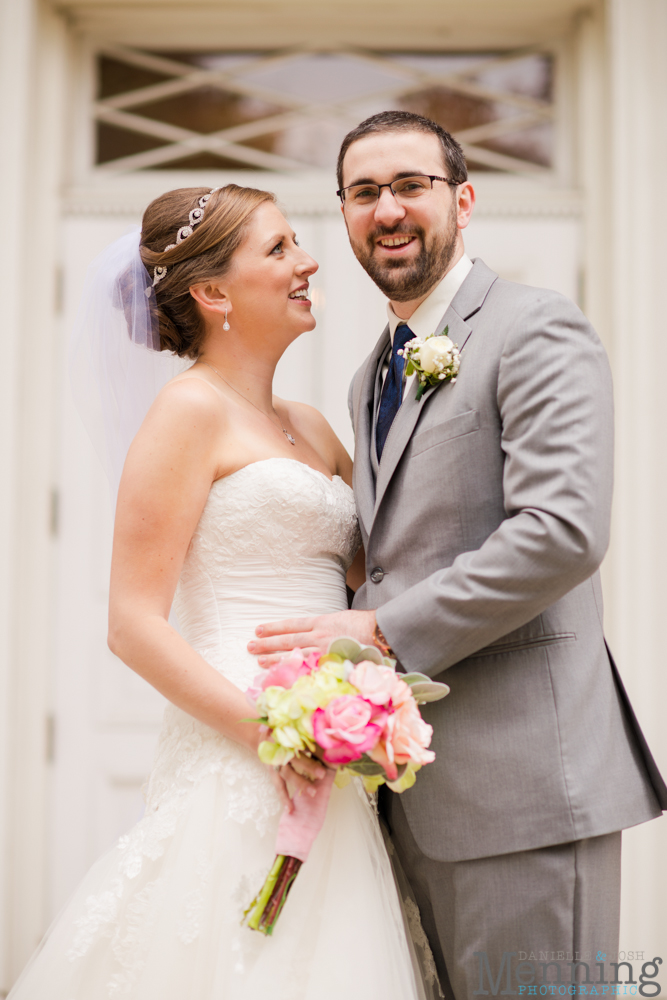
408 735
380 685
347 728
312 661
405 738
282 674
380 755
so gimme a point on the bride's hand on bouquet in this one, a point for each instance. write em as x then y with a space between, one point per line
297 778
310 634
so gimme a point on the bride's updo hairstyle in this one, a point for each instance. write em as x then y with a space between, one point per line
205 255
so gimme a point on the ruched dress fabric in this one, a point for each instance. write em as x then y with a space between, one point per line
159 916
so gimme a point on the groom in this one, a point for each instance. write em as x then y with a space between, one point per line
484 509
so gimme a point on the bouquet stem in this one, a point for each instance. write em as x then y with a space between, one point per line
269 901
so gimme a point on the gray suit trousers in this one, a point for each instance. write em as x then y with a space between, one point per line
501 923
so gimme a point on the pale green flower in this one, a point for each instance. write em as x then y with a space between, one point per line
270 753
328 685
406 780
336 668
372 782
283 707
289 737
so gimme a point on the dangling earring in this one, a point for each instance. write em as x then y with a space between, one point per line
225 325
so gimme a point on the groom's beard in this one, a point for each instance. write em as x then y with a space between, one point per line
403 280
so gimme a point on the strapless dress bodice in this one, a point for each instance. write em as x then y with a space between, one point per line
274 541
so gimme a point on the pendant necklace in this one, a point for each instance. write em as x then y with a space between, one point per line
285 432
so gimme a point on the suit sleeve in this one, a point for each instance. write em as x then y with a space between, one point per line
554 400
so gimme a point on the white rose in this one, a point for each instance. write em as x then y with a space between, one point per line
435 349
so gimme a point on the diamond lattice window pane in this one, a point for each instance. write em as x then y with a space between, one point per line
112 143
534 145
315 144
116 77
454 111
530 76
207 109
325 78
203 161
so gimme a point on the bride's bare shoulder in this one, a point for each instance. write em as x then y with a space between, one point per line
187 404
196 383
192 392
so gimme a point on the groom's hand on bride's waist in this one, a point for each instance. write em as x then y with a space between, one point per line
274 639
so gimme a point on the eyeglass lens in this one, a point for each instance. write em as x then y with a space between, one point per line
403 189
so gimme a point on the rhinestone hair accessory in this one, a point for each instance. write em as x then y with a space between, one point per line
195 216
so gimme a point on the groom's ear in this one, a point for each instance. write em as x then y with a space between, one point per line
465 202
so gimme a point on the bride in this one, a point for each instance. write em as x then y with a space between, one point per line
236 507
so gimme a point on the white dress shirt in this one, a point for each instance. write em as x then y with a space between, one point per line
426 316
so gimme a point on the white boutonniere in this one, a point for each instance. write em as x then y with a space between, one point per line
436 359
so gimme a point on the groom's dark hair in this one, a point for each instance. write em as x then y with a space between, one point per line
407 121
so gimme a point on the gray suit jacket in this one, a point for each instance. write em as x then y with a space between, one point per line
484 526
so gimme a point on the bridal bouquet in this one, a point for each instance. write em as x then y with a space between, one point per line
356 714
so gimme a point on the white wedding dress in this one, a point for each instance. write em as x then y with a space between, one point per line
159 916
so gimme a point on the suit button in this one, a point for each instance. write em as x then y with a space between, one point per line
377 575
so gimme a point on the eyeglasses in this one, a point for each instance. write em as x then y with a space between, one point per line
404 190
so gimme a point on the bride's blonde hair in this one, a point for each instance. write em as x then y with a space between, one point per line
202 256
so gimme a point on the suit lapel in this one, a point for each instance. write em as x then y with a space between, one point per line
364 475
375 408
467 301
406 419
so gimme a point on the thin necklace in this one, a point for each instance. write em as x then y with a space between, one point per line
285 432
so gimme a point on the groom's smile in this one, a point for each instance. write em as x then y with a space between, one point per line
396 244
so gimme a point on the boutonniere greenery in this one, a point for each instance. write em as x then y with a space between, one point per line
436 359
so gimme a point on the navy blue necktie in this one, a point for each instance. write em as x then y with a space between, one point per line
392 390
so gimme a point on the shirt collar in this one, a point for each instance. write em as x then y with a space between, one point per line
428 314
